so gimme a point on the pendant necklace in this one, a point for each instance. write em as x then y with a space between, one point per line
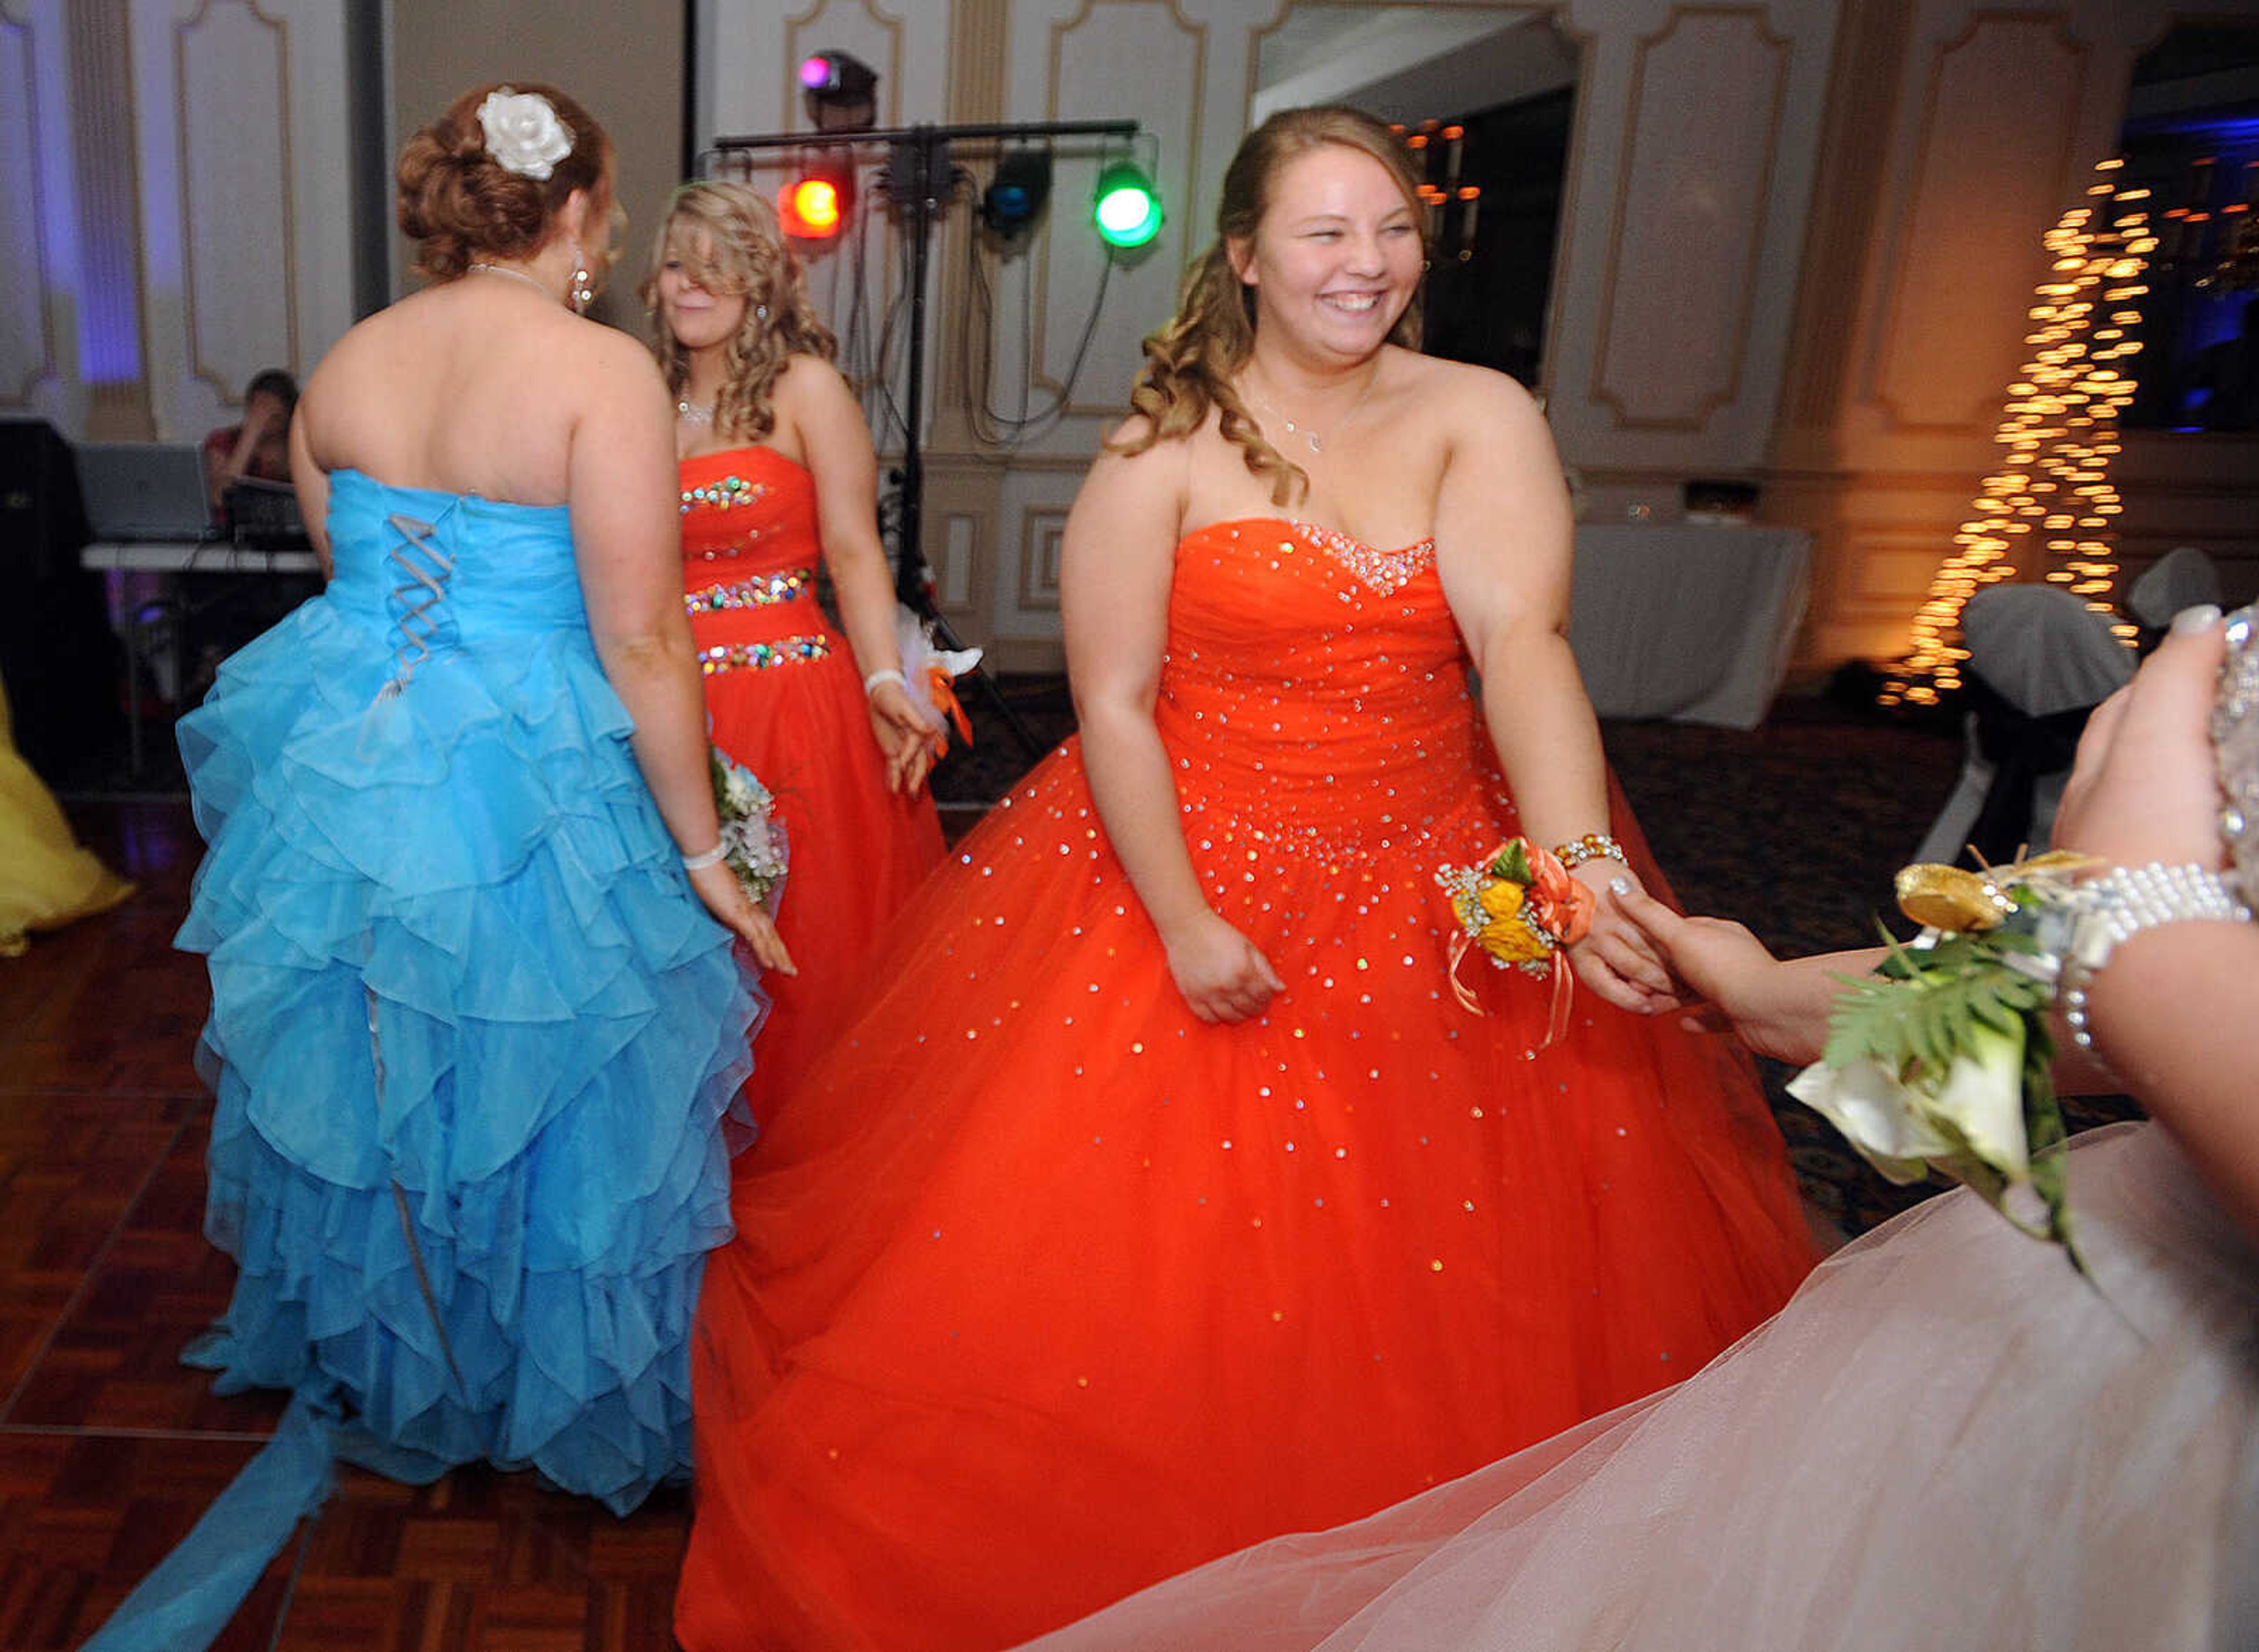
1315 440
515 275
694 413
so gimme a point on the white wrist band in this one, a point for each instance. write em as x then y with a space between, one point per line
2119 905
713 856
883 675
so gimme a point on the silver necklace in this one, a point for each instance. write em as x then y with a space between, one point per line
1315 440
515 275
699 413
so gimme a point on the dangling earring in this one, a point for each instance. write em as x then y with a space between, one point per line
760 312
583 291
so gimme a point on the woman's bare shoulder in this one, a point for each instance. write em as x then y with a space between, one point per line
806 372
1462 387
1135 471
608 350
809 383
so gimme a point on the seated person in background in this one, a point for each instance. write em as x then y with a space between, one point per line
259 447
223 611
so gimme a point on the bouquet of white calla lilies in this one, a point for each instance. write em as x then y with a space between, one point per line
1940 1061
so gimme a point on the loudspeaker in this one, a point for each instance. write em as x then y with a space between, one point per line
58 655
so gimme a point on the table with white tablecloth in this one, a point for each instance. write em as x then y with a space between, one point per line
1685 621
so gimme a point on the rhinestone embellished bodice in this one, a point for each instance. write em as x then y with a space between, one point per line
750 554
747 512
1312 683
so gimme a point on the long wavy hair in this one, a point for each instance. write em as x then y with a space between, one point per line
1191 362
727 237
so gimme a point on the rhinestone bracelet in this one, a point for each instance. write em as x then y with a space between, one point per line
2119 905
1590 846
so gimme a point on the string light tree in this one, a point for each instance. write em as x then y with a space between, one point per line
2050 507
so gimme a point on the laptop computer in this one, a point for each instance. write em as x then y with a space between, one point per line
144 490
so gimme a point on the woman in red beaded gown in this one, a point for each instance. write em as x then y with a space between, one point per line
778 479
1163 1195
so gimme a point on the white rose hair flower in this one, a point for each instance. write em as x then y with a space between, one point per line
523 133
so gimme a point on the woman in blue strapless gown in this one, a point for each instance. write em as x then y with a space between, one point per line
476 1035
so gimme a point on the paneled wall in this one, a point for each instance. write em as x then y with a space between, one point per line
621 59
174 171
1798 240
39 226
1955 134
1694 155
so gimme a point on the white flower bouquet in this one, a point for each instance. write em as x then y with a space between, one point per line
1940 1061
752 838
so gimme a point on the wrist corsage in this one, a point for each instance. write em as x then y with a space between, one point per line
927 676
752 838
1519 906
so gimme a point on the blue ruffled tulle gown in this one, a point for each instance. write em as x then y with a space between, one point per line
475 1046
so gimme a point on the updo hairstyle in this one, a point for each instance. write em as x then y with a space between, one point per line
1191 362
461 205
727 237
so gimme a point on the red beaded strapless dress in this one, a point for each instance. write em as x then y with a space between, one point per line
1044 1290
787 701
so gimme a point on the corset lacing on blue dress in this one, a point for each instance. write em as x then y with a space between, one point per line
474 1046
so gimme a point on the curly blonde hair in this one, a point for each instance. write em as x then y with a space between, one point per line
727 238
459 203
1190 363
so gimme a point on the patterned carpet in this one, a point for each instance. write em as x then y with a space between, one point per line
1794 828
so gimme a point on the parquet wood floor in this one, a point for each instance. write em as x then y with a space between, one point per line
109 1448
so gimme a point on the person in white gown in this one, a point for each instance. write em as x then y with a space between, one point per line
1947 1438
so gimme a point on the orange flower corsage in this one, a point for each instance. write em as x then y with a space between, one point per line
1519 905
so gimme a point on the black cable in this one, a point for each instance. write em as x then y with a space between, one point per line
1014 431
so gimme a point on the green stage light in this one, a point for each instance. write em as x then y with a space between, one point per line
1125 209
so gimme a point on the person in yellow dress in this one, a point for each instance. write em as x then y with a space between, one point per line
47 880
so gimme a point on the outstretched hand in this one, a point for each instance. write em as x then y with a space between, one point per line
1223 975
1780 1008
905 736
718 888
1616 959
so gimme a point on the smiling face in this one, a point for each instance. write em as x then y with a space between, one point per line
1335 257
698 317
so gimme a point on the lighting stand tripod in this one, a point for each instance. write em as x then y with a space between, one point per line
918 182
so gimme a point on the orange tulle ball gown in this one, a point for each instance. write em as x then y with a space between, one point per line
787 701
1044 1290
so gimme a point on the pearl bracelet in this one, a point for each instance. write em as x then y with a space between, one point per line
880 678
713 856
1590 846
2119 905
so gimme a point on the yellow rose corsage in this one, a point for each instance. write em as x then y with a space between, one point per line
1519 906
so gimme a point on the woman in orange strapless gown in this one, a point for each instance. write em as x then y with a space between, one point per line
778 479
1164 1195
